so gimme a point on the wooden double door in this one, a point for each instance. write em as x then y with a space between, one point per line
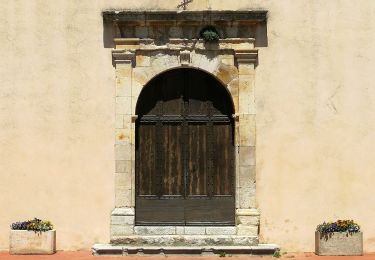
184 151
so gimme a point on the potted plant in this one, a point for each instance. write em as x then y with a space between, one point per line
209 34
342 237
32 237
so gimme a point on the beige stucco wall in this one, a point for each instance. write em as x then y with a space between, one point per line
315 116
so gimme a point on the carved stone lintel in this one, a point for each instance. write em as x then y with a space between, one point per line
185 57
123 57
247 56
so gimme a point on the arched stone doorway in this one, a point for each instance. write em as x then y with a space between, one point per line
184 151
148 44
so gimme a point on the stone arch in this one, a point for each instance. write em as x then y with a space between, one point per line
228 90
226 75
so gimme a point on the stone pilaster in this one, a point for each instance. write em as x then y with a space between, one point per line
247 216
122 217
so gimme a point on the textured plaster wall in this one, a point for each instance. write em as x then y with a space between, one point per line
315 116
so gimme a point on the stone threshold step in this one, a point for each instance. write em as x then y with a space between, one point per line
108 249
185 240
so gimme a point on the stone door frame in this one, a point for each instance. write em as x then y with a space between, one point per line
137 60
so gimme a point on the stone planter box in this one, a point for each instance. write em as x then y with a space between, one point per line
339 243
23 242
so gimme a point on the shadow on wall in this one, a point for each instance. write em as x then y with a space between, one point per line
161 34
108 34
261 39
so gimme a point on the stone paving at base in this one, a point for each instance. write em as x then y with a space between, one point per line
86 255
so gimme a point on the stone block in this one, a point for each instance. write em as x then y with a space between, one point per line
185 240
247 220
237 201
123 180
134 105
243 45
122 220
132 196
125 70
247 197
247 128
165 61
123 135
123 105
142 75
123 152
123 197
221 230
235 103
185 57
123 86
228 61
226 73
233 87
246 69
124 211
119 121
143 60
206 62
136 89
23 242
194 230
132 137
107 249
247 230
128 123
123 166
247 212
247 156
155 230
180 230
247 176
121 230
246 95
339 243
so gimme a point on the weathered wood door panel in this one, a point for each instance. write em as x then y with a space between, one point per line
197 160
184 151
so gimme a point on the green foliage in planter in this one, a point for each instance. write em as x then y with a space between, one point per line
209 34
36 225
339 226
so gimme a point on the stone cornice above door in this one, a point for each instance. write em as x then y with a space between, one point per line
172 17
175 28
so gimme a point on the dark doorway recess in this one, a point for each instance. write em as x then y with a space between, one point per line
185 160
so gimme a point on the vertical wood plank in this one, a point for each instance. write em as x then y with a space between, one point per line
172 152
223 159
